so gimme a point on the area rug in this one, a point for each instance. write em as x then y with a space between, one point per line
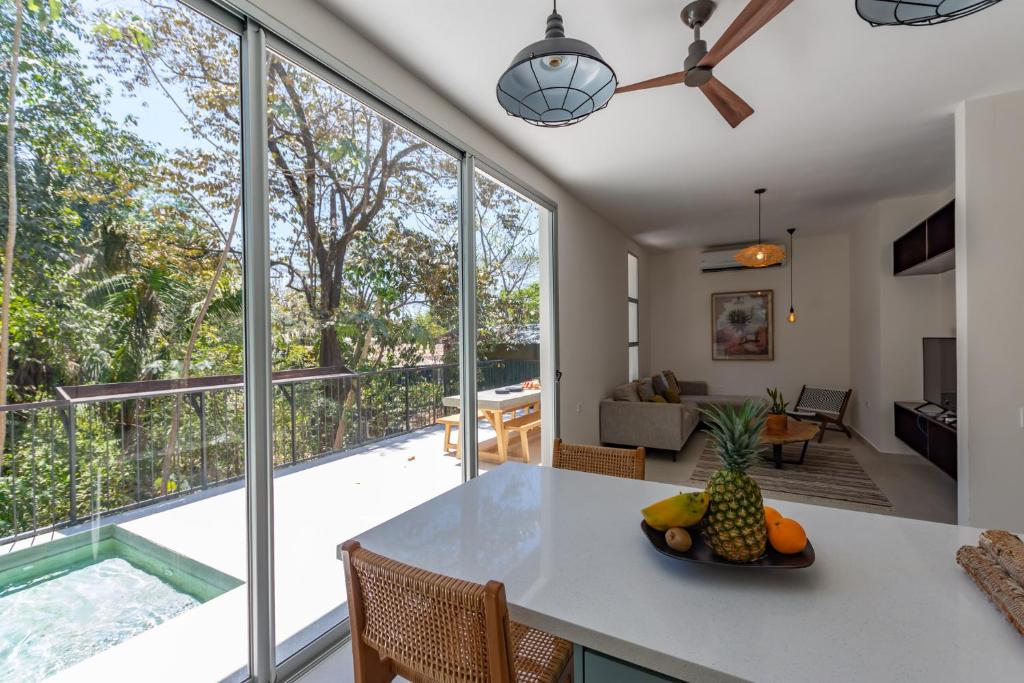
829 472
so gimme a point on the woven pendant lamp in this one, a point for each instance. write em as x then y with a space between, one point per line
760 255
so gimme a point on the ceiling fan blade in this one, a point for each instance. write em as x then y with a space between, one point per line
754 16
730 105
668 79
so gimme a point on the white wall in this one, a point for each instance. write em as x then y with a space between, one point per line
990 293
815 350
592 261
891 315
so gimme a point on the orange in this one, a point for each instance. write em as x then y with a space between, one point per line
771 515
787 536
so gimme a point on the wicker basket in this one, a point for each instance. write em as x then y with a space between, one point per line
982 564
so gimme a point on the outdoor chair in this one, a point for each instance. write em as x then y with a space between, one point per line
614 462
825 406
423 626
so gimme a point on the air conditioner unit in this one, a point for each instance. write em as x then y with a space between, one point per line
722 258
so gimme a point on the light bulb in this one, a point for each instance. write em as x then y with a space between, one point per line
792 315
760 256
553 62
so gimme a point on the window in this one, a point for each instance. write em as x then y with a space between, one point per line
212 302
509 329
126 396
633 305
364 255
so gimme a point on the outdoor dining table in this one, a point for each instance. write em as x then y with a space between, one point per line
495 407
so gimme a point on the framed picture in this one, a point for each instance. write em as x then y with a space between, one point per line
741 325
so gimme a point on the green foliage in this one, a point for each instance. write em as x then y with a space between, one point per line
778 405
736 433
120 233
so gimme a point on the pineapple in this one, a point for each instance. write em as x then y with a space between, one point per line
734 526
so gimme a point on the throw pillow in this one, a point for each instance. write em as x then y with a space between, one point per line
670 377
658 399
626 392
672 396
660 385
645 389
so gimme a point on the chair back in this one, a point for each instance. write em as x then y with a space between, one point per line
423 626
613 462
831 402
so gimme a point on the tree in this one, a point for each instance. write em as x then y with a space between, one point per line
508 261
12 215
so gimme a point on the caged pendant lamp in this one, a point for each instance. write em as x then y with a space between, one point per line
557 81
760 255
918 12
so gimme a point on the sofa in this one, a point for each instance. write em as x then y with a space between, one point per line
662 425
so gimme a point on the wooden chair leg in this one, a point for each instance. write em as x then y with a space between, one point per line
447 438
524 439
821 431
458 443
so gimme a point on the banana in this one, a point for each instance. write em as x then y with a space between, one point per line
682 510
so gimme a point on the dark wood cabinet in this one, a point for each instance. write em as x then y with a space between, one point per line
929 246
929 436
942 231
910 250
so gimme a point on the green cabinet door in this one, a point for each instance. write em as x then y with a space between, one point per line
593 667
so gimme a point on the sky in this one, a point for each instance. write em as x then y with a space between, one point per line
151 115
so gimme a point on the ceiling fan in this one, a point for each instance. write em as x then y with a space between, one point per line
700 63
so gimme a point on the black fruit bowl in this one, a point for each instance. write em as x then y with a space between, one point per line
702 553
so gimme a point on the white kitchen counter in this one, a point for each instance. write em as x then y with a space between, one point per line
884 601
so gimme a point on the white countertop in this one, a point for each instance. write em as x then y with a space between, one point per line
884 601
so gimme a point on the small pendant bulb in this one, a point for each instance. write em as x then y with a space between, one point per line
792 312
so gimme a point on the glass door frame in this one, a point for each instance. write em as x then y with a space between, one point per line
259 32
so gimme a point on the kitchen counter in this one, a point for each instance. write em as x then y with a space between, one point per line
884 601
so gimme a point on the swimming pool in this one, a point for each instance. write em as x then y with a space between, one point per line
66 600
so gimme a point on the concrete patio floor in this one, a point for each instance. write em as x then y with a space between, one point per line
317 505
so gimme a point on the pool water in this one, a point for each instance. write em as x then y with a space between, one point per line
65 607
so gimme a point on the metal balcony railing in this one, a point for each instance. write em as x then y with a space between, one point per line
102 449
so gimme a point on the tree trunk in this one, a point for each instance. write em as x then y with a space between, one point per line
12 219
350 395
186 363
330 347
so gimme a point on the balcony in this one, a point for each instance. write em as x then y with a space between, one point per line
96 457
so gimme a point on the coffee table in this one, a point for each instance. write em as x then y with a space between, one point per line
796 431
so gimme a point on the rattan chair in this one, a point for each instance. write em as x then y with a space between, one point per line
614 462
427 627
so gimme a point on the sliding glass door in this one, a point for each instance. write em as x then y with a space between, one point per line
253 311
510 236
122 490
364 300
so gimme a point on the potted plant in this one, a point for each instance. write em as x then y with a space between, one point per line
777 422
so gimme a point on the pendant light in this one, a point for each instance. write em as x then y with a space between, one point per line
918 12
557 81
792 312
760 255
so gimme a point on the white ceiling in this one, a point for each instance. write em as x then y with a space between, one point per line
845 113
